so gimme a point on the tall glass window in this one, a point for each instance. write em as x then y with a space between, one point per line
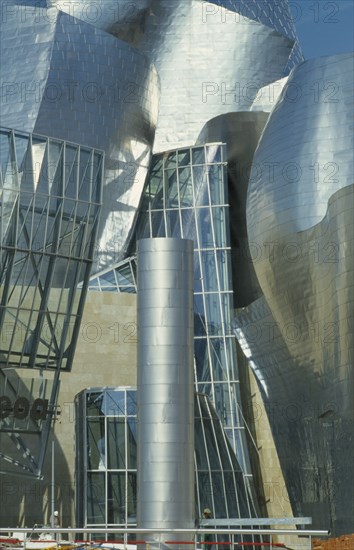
106 461
107 458
186 195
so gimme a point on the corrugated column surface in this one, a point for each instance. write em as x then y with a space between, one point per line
165 384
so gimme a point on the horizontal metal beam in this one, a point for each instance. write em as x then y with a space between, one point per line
134 530
254 521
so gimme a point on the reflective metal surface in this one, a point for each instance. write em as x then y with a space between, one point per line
300 219
65 78
186 195
165 460
198 83
127 20
122 18
275 14
267 97
75 76
305 154
241 133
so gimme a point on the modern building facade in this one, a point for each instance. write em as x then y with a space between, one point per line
245 150
106 433
186 196
302 221
51 86
50 202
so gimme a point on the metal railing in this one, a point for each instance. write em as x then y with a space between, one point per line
189 538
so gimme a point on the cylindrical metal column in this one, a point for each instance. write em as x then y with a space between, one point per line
165 384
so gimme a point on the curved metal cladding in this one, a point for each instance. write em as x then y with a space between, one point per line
197 84
267 97
122 18
276 15
300 215
165 384
241 133
65 78
305 152
127 20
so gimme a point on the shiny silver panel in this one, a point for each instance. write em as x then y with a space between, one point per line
127 20
241 133
71 80
295 172
197 84
122 18
300 344
267 97
165 388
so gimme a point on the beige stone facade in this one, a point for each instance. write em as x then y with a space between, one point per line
105 356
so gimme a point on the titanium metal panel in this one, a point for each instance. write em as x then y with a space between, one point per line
122 18
276 15
71 80
300 217
127 20
305 369
268 96
241 133
199 83
165 402
305 154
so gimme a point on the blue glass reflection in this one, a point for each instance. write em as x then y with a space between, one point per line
206 239
209 270
131 403
114 403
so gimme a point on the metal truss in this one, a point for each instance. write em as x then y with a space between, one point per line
50 196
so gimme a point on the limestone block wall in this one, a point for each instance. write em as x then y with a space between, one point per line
105 356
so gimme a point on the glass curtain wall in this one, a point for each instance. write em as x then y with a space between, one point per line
121 278
106 461
186 196
50 194
50 199
106 457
